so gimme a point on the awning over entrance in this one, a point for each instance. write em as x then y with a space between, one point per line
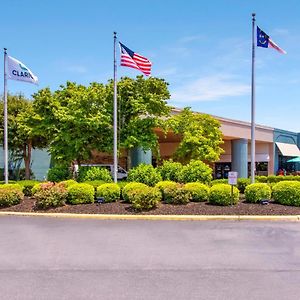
288 149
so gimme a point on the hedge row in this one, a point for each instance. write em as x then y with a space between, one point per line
142 196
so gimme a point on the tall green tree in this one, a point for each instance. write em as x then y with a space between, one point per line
78 119
143 107
201 136
22 137
75 119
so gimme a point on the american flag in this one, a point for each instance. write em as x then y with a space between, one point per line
133 60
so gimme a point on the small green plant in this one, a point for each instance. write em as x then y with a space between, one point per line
199 191
287 193
10 196
196 171
144 199
50 196
170 170
80 193
94 173
257 191
131 186
109 191
27 186
59 173
177 195
220 194
146 174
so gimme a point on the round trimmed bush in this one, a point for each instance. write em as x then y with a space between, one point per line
11 186
109 191
80 193
262 179
198 190
94 183
162 185
144 199
242 184
196 171
10 196
220 194
257 191
132 186
42 185
94 173
27 186
218 181
146 174
68 182
177 195
287 193
51 196
170 170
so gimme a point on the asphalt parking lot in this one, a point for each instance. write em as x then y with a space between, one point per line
56 258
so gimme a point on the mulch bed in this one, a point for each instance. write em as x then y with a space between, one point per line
192 208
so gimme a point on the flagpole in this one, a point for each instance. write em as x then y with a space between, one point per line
253 103
5 122
115 112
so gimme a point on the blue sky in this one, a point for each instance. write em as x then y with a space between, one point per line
202 48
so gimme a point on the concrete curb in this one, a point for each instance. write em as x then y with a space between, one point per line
155 217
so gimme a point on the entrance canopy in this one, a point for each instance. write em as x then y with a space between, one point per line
288 149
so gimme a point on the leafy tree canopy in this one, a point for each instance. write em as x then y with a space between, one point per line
201 136
78 119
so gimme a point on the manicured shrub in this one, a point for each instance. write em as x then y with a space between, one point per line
132 186
196 171
162 185
94 183
242 183
59 173
146 174
170 170
199 191
218 181
10 196
287 193
27 186
51 195
109 191
68 182
257 191
263 179
220 194
11 186
94 173
80 193
144 199
42 185
177 195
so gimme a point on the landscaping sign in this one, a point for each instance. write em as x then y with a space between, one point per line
232 178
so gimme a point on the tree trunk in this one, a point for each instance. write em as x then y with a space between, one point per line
27 159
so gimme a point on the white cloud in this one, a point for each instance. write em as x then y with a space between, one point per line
210 88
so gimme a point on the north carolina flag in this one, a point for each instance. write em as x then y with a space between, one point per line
263 40
133 60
